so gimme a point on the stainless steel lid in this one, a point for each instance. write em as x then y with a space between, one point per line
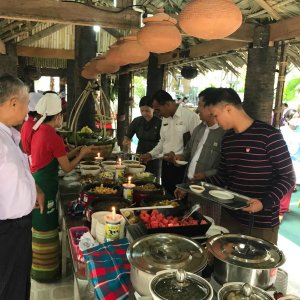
177 284
157 252
235 290
245 251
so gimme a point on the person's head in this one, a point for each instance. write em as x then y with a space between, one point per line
14 100
34 98
179 100
145 108
49 107
290 114
225 107
185 100
204 112
163 104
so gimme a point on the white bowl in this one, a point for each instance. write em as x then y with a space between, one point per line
130 162
181 162
134 169
108 165
88 164
198 189
92 170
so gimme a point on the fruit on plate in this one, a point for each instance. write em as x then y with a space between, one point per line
86 129
155 219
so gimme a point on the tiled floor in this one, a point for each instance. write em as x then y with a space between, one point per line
62 290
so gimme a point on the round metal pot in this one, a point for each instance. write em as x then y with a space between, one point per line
178 284
236 289
157 252
244 258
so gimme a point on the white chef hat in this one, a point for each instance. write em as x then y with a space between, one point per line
49 105
34 98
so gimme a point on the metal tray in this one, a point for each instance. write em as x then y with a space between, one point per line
239 201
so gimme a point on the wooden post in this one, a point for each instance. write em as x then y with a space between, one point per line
70 86
280 84
260 77
123 106
85 49
155 75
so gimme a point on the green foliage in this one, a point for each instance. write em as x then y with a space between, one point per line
291 90
139 86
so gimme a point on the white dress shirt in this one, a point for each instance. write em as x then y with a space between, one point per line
193 163
172 130
17 186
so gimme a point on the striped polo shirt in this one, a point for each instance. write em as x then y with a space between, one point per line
257 164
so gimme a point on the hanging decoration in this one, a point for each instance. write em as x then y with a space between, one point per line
160 34
132 51
88 72
114 56
213 19
189 72
104 66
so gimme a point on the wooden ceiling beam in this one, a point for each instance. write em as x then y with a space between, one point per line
201 50
272 12
243 34
68 13
41 34
45 52
285 29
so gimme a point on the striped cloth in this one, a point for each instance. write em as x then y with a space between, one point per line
109 269
45 255
256 163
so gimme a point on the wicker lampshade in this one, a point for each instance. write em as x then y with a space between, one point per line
160 34
188 72
132 51
88 74
103 65
113 55
213 19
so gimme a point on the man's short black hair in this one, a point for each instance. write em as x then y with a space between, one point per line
227 95
208 94
162 97
145 101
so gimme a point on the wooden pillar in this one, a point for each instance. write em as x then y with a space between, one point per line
123 106
85 49
9 62
155 76
260 77
70 86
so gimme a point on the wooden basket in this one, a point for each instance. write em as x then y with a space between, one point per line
105 151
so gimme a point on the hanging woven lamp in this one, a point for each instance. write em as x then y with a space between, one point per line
104 66
88 74
132 51
113 55
160 34
213 19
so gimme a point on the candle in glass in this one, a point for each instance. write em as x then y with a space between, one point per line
98 157
120 161
113 213
129 180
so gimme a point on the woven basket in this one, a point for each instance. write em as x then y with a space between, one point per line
104 150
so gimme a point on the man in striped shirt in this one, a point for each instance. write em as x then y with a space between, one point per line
255 162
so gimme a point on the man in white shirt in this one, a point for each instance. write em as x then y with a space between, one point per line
177 127
18 194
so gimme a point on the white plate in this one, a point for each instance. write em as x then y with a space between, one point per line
221 194
181 162
214 230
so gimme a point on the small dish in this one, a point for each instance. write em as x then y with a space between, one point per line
198 189
181 162
223 195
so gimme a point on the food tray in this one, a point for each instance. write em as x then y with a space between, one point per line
238 201
190 230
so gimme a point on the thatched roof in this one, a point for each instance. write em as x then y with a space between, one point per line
60 36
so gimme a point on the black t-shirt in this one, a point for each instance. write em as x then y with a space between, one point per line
148 133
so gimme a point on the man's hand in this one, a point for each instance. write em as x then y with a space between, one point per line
170 157
40 199
180 194
144 158
199 176
254 205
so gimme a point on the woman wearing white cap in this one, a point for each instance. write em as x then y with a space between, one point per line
26 130
47 152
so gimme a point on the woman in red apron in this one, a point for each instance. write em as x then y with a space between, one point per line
48 152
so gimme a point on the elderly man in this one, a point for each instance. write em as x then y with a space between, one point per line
18 194
255 162
177 127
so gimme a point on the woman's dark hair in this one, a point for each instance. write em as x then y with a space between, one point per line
50 118
145 101
289 114
33 114
227 95
162 97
